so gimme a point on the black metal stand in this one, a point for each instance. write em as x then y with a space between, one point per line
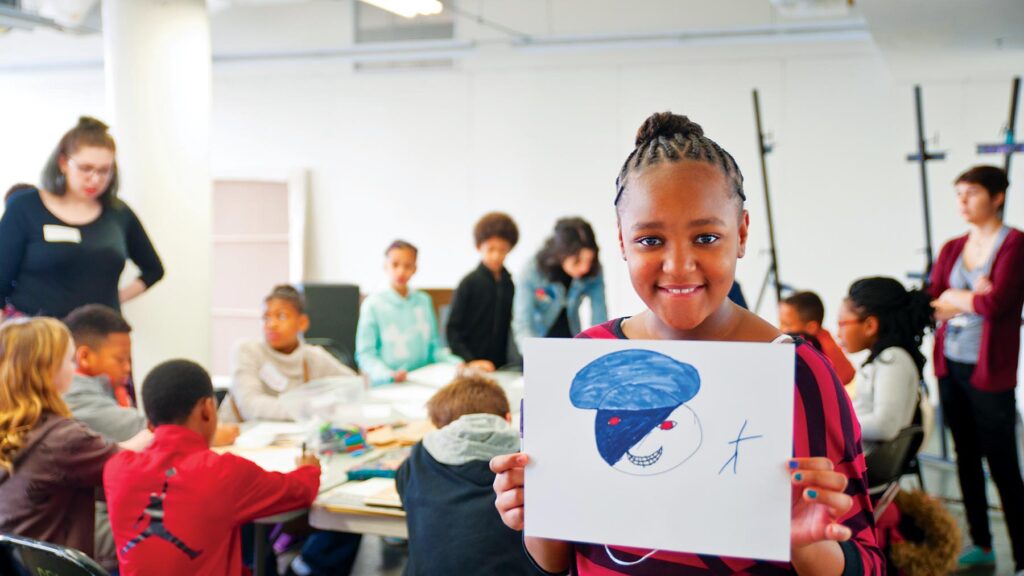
922 157
773 268
1009 146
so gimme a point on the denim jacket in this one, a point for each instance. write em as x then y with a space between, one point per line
538 302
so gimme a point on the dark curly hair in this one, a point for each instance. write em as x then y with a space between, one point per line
903 316
571 236
496 225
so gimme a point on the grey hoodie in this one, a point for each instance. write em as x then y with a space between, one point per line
472 437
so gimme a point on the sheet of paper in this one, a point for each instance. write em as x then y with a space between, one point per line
266 433
663 445
434 375
272 459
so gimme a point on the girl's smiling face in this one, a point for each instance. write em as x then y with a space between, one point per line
681 230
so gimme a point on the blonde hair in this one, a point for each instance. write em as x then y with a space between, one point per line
32 350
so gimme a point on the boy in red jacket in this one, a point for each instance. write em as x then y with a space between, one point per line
176 508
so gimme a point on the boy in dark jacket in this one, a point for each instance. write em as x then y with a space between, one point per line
481 313
446 490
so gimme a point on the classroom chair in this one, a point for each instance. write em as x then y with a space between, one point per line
21 556
889 462
333 311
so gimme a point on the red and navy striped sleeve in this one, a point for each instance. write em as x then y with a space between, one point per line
824 425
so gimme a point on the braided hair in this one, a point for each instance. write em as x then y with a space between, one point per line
903 316
668 137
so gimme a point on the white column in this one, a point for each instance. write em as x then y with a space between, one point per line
157 60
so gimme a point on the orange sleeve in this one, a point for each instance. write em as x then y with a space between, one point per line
840 363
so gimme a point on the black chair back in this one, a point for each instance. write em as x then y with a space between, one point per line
888 461
333 317
20 556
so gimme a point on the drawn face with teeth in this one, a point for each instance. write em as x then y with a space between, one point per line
670 443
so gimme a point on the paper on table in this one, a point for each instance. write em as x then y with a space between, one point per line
435 375
404 392
266 433
681 481
272 459
355 493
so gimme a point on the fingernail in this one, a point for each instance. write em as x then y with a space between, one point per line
812 494
798 477
793 464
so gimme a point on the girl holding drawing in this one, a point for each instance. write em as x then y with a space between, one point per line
682 226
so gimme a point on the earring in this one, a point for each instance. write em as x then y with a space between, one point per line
60 182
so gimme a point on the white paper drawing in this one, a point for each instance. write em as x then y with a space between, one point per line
667 445
642 425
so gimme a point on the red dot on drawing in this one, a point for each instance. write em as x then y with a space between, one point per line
667 425
614 421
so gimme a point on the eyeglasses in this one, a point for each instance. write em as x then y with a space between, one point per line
848 322
104 172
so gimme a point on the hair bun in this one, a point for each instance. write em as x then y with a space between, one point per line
668 125
90 123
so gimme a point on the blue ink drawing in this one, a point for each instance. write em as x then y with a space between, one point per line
643 425
735 459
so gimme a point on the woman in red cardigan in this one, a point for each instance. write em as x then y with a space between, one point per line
978 286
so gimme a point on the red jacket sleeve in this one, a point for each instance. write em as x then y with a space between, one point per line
1007 278
259 493
938 281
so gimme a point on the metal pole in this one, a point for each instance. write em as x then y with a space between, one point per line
1011 127
922 159
767 198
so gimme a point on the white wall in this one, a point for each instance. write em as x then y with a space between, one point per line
420 155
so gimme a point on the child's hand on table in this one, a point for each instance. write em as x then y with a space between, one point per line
307 460
482 365
225 435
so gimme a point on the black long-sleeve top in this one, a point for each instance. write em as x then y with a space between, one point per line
48 267
481 316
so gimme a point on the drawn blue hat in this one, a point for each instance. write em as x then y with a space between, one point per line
633 391
634 380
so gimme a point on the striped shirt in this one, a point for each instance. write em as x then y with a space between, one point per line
823 425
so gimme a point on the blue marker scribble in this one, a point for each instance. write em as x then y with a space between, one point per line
735 459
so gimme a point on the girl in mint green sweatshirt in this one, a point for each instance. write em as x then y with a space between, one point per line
397 330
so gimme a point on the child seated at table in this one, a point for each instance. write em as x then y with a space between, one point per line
103 368
50 464
264 368
445 485
397 329
176 507
802 314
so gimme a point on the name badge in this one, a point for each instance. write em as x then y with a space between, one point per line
272 377
56 233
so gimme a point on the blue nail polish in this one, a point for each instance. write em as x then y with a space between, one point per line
793 464
799 476
812 494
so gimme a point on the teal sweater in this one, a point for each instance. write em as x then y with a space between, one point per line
397 333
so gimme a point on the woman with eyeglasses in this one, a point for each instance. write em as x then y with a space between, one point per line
66 244
978 286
